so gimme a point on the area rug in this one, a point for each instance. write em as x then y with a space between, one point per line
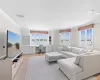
39 69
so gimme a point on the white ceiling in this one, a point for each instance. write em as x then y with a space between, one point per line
51 14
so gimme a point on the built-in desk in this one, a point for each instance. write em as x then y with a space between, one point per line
31 49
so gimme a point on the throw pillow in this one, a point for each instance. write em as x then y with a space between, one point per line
85 50
69 48
90 50
77 60
81 51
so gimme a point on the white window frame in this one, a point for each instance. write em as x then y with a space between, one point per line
86 38
67 42
46 43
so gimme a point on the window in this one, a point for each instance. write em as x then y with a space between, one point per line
65 38
86 37
39 39
82 35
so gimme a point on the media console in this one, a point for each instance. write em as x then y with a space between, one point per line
16 62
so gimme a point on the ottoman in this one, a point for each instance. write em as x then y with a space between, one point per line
54 56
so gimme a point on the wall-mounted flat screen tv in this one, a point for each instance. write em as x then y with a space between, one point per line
13 44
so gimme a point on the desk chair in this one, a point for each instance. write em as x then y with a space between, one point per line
41 49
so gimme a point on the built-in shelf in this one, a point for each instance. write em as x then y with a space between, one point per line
16 62
18 55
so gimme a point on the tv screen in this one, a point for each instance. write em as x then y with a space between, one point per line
13 44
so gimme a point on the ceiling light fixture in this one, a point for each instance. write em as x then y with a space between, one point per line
98 13
91 11
21 16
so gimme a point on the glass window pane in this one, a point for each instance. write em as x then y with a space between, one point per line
86 37
64 37
38 38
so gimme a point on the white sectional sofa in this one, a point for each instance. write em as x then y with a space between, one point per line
64 52
81 67
78 64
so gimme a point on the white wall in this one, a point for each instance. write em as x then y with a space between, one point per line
74 41
6 24
25 31
25 41
25 35
55 39
96 36
74 38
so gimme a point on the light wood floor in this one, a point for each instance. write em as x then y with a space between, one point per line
98 77
23 68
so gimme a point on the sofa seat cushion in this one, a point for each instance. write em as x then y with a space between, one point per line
70 54
69 67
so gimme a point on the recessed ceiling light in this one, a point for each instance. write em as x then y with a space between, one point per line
91 11
98 13
21 16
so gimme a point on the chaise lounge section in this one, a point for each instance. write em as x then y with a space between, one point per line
80 67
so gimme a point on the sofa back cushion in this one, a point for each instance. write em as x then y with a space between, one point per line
88 50
69 48
77 50
66 48
60 48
